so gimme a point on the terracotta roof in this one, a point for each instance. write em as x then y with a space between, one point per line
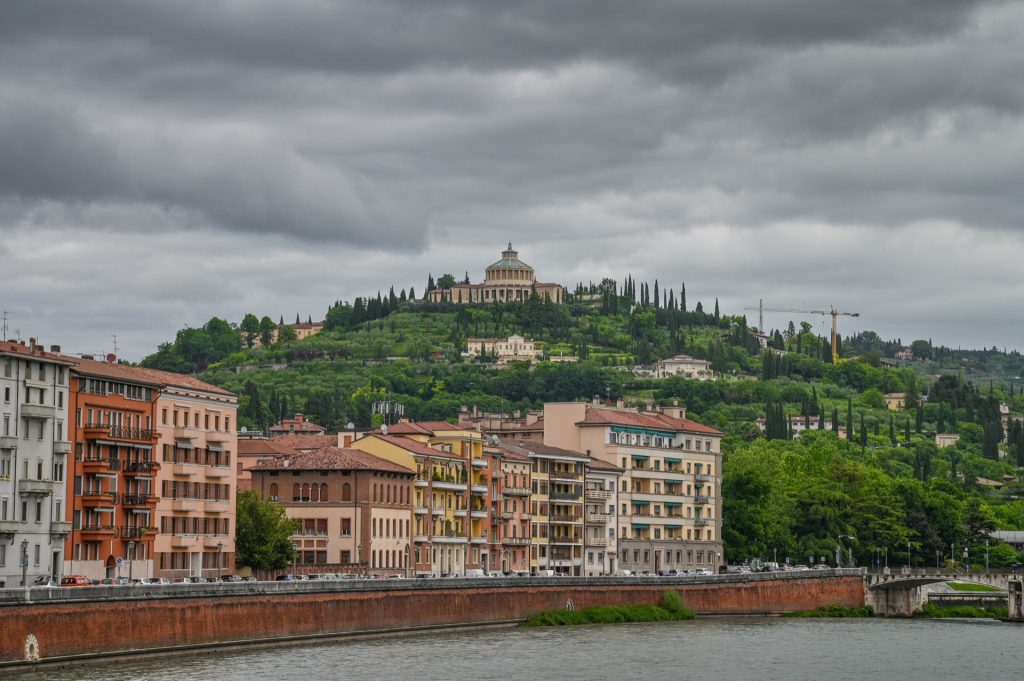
415 447
511 455
294 427
331 459
129 373
598 464
420 428
542 449
599 416
10 347
251 448
299 442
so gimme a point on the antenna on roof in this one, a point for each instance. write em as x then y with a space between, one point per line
494 439
3 326
384 429
114 336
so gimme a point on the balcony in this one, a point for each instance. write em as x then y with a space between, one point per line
455 486
217 436
100 430
421 510
507 515
92 498
61 447
36 488
565 518
478 489
218 472
138 500
97 464
565 475
515 541
135 532
448 539
38 411
216 506
478 540
215 542
188 469
420 539
702 477
479 463
516 491
596 541
421 483
566 496
459 513
598 518
8 442
184 541
141 467
568 539
701 499
98 532
60 529
184 433
10 527
184 504
701 522
598 494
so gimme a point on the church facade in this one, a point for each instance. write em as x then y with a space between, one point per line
508 280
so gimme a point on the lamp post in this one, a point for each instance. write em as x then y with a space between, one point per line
967 564
937 554
220 558
295 556
908 555
131 558
986 556
408 567
24 562
359 557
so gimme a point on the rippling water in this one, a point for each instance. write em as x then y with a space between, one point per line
749 649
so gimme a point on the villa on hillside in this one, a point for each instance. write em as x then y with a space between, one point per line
508 280
684 365
511 349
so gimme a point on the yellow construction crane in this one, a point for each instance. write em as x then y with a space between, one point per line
831 311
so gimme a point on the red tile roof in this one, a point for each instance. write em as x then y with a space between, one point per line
598 464
298 442
511 455
135 374
292 427
414 446
331 459
14 348
620 417
542 449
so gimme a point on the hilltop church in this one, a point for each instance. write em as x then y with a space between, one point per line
508 280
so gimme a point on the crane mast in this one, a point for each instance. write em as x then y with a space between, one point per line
831 311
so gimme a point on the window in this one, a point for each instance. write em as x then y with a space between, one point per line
346 530
7 394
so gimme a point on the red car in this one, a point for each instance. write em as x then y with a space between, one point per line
75 580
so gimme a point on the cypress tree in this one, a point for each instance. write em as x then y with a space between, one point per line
835 420
941 425
906 431
717 317
657 295
682 299
892 429
863 433
849 420
918 420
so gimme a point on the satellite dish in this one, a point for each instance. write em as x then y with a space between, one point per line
494 439
384 429
350 426
245 429
111 358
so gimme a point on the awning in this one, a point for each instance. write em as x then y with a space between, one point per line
669 460
674 526
214 448
183 444
673 503
640 457
641 525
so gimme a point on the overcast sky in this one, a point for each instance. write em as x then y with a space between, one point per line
164 162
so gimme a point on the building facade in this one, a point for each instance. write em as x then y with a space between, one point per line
686 366
600 532
515 348
197 479
113 489
507 280
670 507
298 425
34 453
354 510
511 514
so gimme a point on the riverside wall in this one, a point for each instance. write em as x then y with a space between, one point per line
73 624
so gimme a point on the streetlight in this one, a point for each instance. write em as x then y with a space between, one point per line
24 562
986 556
131 558
937 554
908 555
967 564
408 567
359 557
220 558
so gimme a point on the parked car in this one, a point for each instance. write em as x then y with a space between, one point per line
285 578
154 581
231 578
703 572
75 580
45 583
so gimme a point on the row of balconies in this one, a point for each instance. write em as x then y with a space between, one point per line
11 527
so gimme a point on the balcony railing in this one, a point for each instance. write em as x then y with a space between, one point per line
137 500
701 522
141 466
701 499
122 432
136 532
598 494
516 541
92 463
702 477
566 496
516 491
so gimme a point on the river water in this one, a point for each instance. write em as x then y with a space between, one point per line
711 649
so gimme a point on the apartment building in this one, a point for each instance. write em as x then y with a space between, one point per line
34 449
197 479
556 500
354 509
510 510
669 504
600 530
112 489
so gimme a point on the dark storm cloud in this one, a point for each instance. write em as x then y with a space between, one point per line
291 154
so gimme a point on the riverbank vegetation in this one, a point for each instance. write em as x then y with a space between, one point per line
967 611
967 586
834 611
669 609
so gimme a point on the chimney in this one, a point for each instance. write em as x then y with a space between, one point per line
596 401
620 403
54 348
32 344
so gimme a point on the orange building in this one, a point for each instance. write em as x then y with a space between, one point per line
113 488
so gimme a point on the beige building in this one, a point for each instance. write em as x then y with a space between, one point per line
507 280
686 366
600 534
197 479
556 510
669 505
896 401
512 349
943 440
510 510
354 509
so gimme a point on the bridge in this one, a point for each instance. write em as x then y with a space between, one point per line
901 593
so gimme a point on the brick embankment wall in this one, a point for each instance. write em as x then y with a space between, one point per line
56 625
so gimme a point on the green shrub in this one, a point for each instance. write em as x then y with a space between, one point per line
932 610
671 609
834 611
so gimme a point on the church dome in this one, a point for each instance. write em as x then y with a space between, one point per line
509 261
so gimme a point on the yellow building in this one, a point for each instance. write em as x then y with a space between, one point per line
507 280
451 492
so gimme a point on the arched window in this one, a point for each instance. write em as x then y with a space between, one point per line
273 492
314 493
346 492
323 491
305 492
296 492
